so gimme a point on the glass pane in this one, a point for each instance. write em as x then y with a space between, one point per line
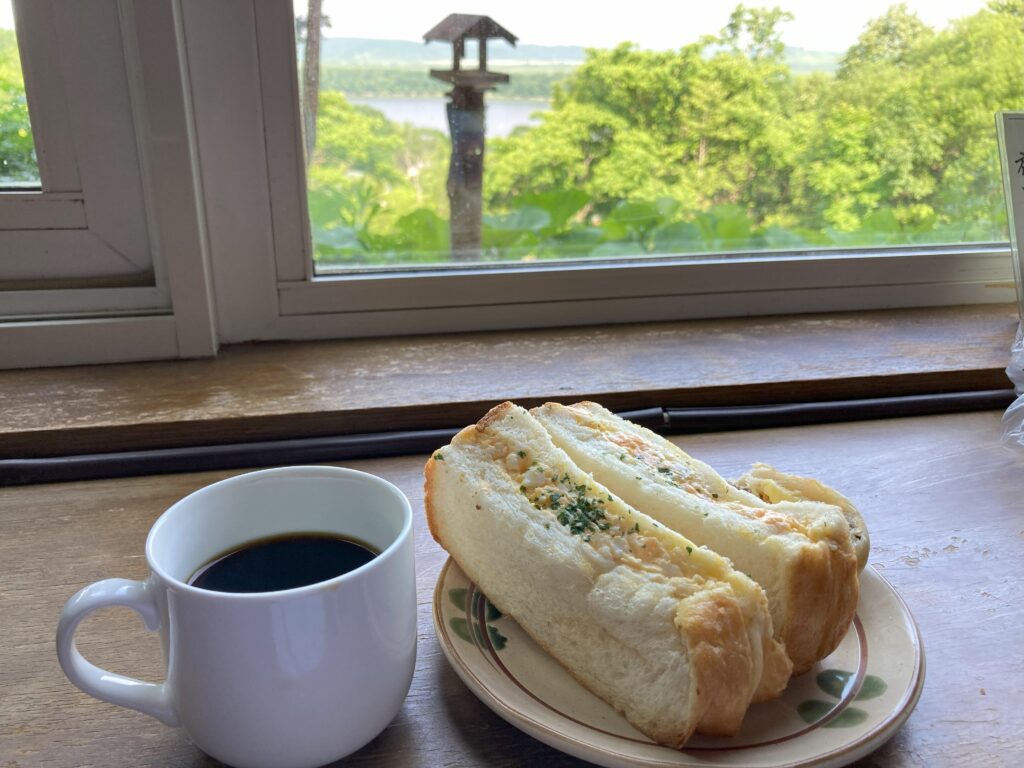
720 129
18 166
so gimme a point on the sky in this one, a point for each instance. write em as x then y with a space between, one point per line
821 25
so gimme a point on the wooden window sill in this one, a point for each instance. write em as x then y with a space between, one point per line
309 389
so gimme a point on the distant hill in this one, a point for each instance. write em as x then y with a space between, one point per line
804 62
364 52
357 51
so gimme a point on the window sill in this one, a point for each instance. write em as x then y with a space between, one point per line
287 390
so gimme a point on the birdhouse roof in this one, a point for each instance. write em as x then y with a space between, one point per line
458 26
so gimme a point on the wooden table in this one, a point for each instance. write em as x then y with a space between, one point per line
941 497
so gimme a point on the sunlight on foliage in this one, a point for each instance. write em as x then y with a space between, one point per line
715 147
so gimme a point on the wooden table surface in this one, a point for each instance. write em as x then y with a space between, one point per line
942 500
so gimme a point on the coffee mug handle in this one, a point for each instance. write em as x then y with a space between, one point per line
150 698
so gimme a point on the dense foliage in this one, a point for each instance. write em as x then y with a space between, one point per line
715 146
375 186
17 153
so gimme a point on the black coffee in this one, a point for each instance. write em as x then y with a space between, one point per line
282 562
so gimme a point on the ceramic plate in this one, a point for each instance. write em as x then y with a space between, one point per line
848 705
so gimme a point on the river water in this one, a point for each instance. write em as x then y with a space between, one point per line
502 116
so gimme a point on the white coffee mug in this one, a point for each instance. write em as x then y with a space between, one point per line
289 679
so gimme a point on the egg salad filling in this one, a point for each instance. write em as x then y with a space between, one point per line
614 534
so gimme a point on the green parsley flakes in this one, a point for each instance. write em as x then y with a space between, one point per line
521 454
582 514
438 456
689 549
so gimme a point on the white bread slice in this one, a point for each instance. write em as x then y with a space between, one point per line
663 630
773 486
801 552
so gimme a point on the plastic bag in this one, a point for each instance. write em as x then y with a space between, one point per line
1013 419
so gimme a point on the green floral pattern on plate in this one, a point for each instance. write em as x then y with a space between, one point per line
472 631
836 683
833 682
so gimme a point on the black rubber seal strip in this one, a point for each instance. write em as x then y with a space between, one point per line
163 461
314 450
724 419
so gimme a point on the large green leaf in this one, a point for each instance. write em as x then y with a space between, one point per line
509 243
680 237
422 231
526 217
882 221
667 207
561 205
632 218
731 225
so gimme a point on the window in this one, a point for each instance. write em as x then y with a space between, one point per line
728 142
713 282
93 208
856 175
733 141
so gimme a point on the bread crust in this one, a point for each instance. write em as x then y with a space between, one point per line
725 635
774 486
429 476
822 590
801 552
714 627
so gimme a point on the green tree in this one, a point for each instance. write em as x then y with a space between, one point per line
704 125
755 32
907 127
898 147
366 176
889 39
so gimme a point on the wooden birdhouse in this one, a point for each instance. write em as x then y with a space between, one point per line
456 29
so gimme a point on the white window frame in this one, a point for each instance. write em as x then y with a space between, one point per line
107 261
216 108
